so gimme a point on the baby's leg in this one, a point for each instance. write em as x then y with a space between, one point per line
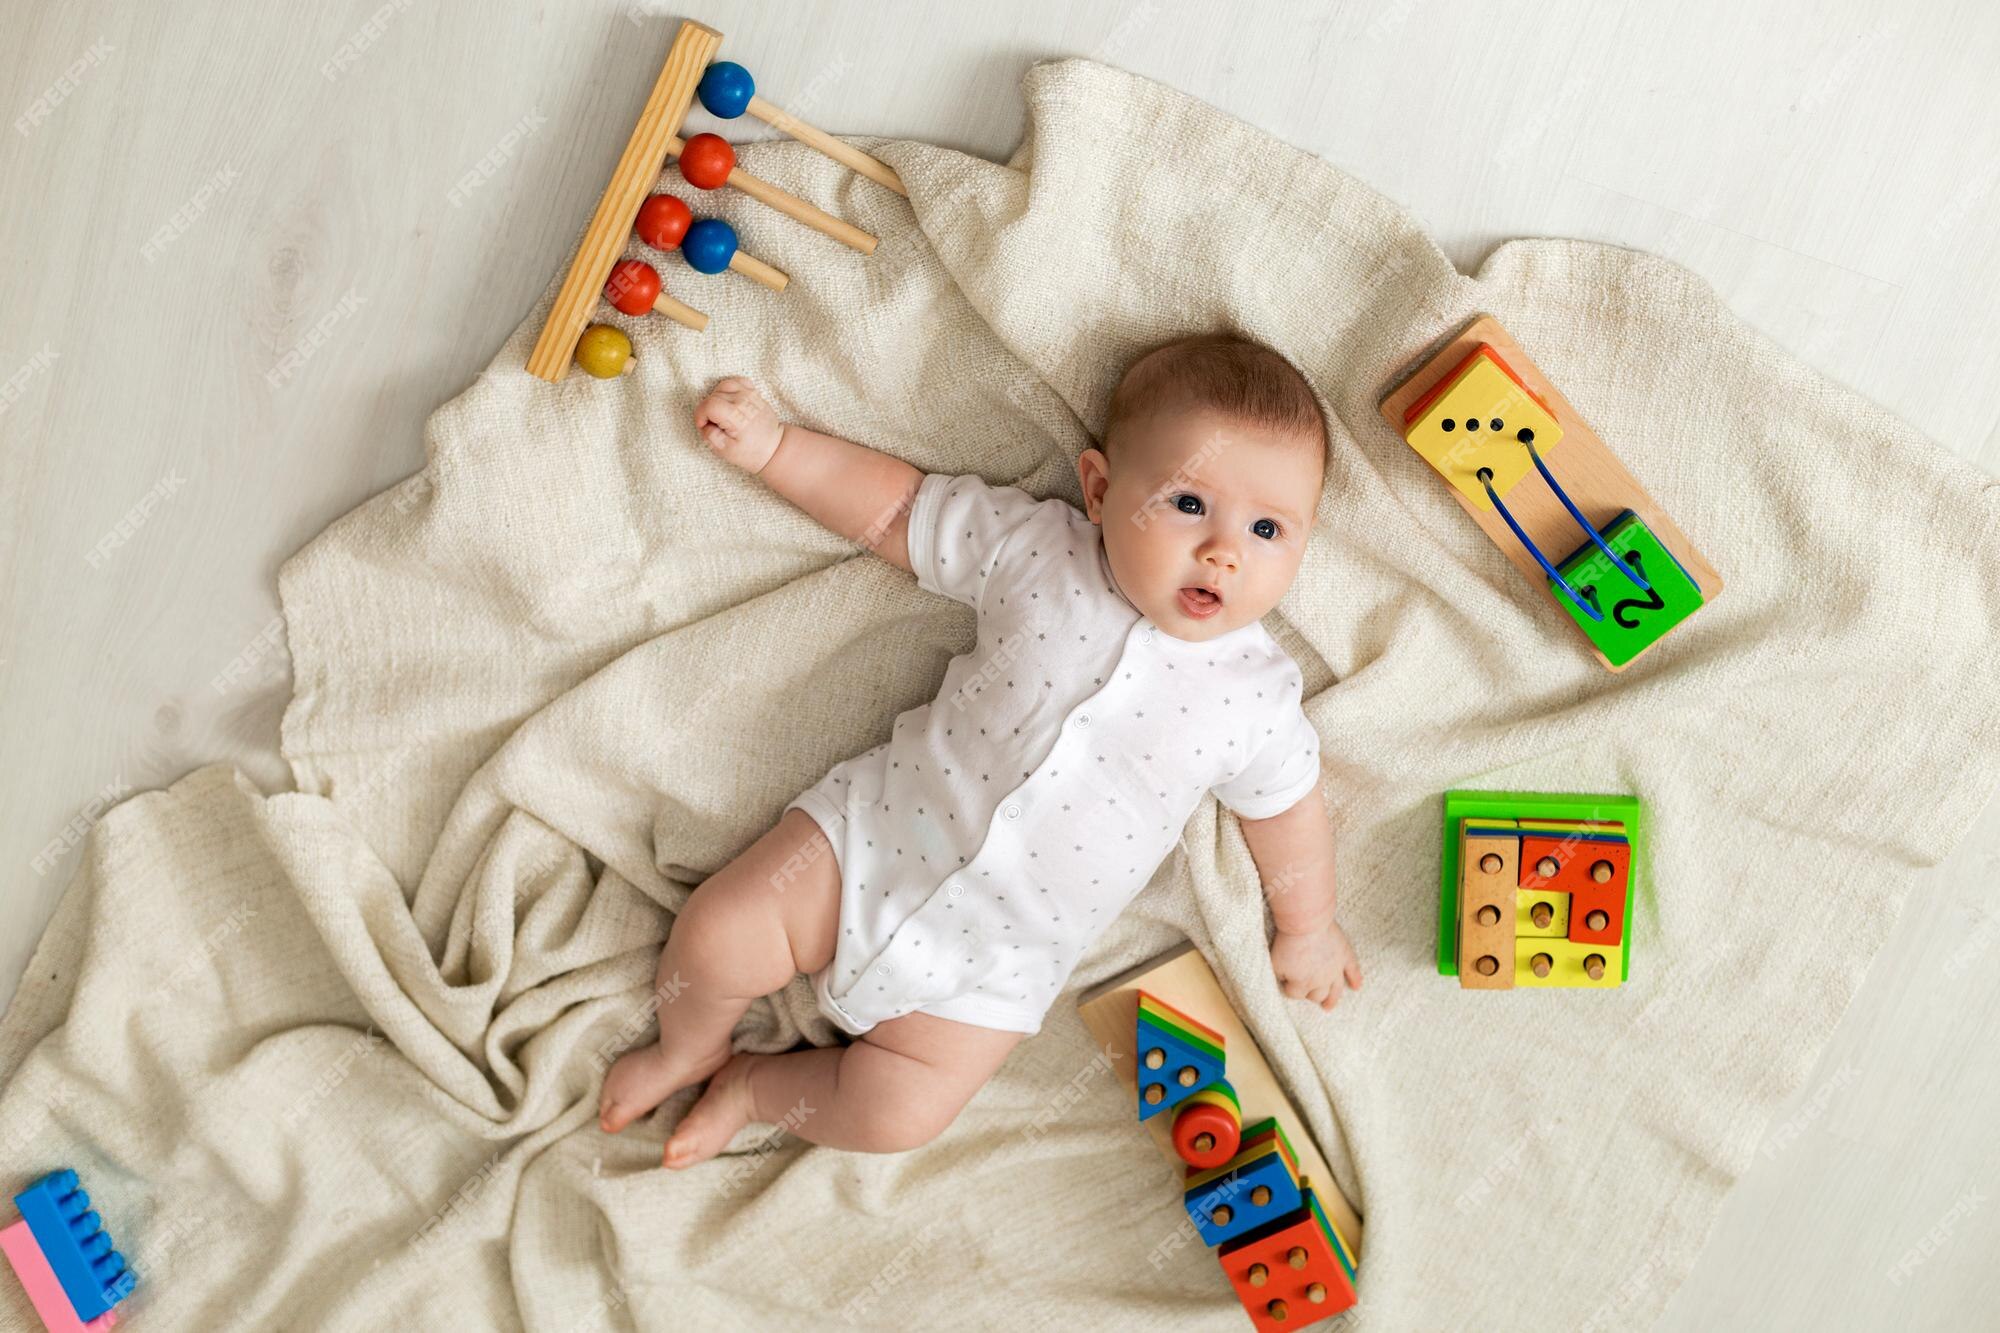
745 931
896 1088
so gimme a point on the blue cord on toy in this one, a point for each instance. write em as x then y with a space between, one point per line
1616 562
1486 480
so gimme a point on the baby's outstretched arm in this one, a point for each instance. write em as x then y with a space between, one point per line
858 492
1294 854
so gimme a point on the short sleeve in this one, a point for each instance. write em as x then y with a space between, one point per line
1281 772
957 526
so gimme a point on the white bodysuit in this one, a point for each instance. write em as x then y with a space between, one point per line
1003 826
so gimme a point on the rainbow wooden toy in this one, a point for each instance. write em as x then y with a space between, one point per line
1536 889
1480 413
1255 1185
63 1256
709 245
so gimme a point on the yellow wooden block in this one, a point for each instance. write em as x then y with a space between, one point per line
1566 963
1524 915
1476 423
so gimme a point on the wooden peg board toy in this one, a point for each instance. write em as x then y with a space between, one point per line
1549 493
664 222
1256 1188
1536 889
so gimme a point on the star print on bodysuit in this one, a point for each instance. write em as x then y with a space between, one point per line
1049 778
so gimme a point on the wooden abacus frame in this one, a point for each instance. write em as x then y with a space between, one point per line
657 136
694 46
1590 472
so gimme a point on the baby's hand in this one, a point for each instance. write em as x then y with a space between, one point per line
1313 965
739 424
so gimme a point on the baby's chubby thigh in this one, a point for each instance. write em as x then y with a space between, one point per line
906 1079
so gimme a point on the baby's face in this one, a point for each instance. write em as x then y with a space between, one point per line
1196 501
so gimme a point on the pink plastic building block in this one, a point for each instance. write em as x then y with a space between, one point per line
44 1290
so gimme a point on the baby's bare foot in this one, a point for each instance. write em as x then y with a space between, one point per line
641 1079
724 1108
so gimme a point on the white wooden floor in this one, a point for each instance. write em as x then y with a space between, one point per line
249 246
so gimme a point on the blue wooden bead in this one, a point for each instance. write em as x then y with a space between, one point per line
709 245
726 89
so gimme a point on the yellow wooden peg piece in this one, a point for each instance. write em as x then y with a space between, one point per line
1483 420
1534 904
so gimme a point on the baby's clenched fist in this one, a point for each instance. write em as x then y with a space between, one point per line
738 424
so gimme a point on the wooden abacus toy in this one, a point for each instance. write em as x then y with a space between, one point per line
709 245
1482 415
1536 889
1255 1185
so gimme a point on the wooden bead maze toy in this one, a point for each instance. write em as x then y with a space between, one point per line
1536 889
1484 417
664 222
1256 1187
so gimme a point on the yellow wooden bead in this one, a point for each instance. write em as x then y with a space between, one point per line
604 351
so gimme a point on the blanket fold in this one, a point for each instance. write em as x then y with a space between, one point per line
329 1058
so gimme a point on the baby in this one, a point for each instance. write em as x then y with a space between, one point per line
1121 671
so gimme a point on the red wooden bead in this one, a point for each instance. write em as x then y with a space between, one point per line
633 287
1207 1118
707 161
663 220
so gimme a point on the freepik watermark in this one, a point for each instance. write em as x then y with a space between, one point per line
269 640
893 1274
17 383
212 944
348 54
1069 1095
425 1239
184 217
79 826
135 518
39 110
817 847
1934 1240
316 337
745 1165
636 1023
498 156
1785 1135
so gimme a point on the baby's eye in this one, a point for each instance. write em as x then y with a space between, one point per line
1260 528
1188 504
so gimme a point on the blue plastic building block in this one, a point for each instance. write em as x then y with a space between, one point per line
93 1275
1252 1188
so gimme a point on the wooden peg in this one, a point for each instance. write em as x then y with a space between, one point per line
1541 914
727 90
790 205
1541 963
1547 867
1593 967
1601 872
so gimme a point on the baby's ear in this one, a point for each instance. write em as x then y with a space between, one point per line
1093 474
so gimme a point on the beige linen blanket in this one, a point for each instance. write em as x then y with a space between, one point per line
328 1059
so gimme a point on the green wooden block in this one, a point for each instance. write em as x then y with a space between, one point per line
1633 620
1460 806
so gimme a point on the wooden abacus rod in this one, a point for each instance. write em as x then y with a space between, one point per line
844 153
764 192
727 90
666 223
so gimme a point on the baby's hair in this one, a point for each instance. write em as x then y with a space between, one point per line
1234 375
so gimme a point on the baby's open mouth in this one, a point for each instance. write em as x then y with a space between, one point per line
1200 602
